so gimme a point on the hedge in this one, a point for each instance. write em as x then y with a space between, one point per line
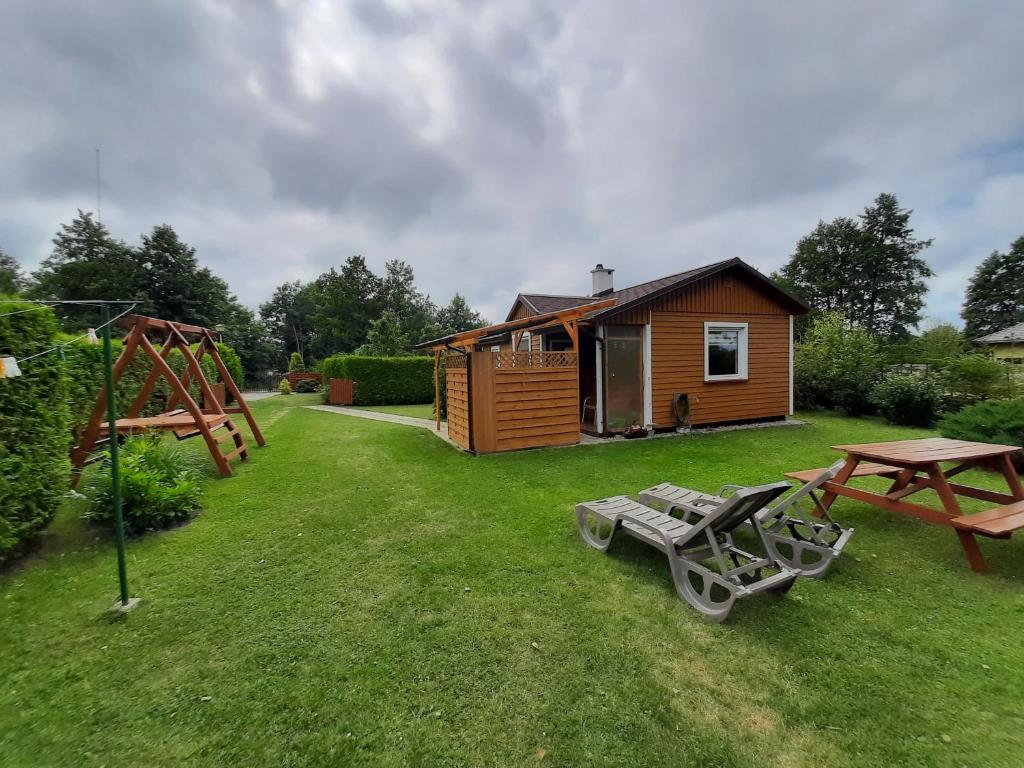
383 380
34 437
994 421
84 365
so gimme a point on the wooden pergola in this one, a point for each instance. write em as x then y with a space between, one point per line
464 341
184 415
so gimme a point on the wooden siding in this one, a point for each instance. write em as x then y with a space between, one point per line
677 365
456 381
536 407
522 312
724 292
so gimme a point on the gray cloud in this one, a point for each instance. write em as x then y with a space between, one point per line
499 146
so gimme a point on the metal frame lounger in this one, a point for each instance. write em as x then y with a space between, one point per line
794 539
690 546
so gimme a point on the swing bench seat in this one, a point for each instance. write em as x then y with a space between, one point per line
179 422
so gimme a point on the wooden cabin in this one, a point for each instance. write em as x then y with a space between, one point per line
709 346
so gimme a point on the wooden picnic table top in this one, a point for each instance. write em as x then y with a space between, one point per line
927 450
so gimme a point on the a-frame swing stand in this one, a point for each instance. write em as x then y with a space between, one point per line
184 417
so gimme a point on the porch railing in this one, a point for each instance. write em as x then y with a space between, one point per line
505 360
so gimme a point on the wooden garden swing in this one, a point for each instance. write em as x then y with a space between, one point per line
184 416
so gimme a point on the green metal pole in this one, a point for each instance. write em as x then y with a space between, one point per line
115 479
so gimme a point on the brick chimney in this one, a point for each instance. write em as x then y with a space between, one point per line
601 277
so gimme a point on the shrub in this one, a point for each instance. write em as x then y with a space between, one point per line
295 364
84 367
34 437
907 399
284 387
159 486
836 366
993 421
305 386
234 365
971 378
384 380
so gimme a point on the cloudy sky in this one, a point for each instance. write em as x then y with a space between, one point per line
511 145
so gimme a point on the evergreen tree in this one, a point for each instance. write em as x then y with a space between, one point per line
869 270
995 294
86 263
458 316
890 275
11 280
346 301
398 293
385 337
176 287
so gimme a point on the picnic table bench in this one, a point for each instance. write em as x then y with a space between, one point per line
916 465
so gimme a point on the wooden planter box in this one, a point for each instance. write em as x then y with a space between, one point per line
340 392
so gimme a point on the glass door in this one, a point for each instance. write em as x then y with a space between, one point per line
624 376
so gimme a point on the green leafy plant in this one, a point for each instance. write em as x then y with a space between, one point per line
836 366
284 387
384 380
907 399
972 378
993 421
34 436
305 386
295 363
159 486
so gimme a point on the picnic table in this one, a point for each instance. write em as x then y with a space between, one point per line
917 465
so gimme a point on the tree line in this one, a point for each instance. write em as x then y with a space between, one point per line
870 270
344 310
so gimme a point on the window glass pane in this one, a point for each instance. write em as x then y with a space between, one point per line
723 352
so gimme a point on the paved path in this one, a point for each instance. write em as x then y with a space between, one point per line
409 421
251 397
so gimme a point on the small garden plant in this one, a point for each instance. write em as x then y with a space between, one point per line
284 387
160 486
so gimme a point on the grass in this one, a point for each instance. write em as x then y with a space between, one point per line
362 594
424 411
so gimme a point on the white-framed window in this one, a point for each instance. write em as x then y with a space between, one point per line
524 342
725 351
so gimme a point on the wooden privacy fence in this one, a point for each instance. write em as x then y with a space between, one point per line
340 392
504 401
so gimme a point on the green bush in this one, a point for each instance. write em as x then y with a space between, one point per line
295 364
993 421
234 365
159 486
84 366
836 366
34 437
972 378
907 399
284 387
305 386
384 380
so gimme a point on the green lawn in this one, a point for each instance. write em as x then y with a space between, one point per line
362 594
425 411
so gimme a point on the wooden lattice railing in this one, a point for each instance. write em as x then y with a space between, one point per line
455 361
535 360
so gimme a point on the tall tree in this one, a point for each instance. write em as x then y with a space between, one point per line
385 337
869 270
86 263
346 302
176 287
251 341
288 318
458 316
892 274
416 313
11 280
995 294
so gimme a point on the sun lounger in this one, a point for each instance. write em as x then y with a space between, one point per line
709 571
794 539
